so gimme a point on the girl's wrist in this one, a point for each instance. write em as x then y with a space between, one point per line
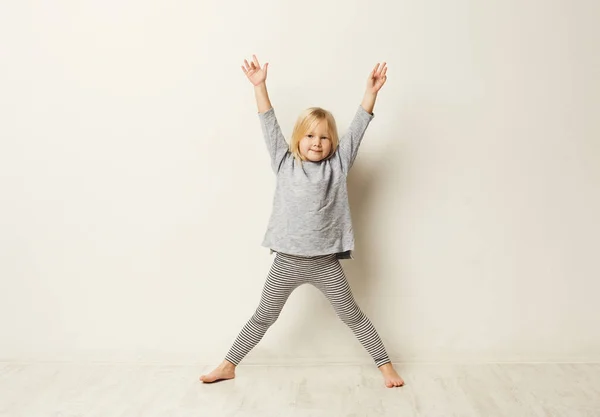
368 101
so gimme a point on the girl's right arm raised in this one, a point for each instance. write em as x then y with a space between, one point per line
276 144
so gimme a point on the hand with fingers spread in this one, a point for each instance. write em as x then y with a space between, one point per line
254 72
258 78
377 78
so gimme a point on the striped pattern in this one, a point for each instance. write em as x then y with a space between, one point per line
325 273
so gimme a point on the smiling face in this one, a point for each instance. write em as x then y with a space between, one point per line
315 136
315 145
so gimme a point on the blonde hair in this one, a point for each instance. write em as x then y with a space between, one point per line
306 121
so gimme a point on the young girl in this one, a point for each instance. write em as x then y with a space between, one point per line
310 227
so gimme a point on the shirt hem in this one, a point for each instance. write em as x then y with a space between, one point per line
342 254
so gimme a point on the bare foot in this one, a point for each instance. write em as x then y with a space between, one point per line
226 370
390 376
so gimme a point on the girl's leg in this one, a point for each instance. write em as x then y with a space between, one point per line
280 283
333 284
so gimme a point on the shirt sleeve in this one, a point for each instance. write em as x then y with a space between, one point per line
350 141
276 144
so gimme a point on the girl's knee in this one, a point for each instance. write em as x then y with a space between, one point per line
264 320
352 316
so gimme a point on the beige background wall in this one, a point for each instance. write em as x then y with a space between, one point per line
136 186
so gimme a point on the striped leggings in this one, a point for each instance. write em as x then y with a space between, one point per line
324 272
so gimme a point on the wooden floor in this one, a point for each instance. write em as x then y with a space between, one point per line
436 390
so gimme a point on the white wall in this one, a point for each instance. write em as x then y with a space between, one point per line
136 187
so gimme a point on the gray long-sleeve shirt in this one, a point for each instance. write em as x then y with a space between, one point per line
311 214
